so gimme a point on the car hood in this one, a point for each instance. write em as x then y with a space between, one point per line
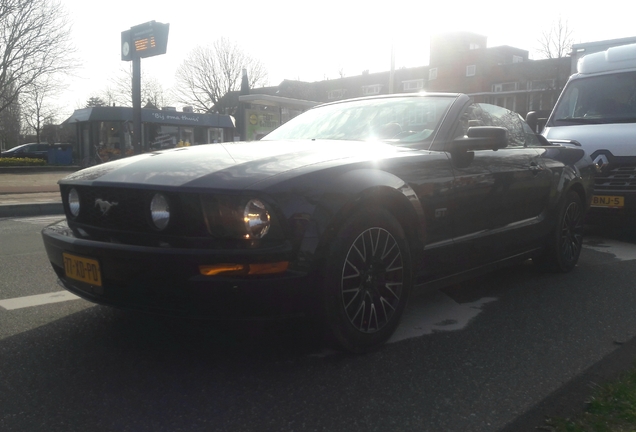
618 138
229 165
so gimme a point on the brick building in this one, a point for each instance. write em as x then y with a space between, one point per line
459 63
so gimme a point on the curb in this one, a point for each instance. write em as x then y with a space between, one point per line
31 209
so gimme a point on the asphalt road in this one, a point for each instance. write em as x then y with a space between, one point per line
478 356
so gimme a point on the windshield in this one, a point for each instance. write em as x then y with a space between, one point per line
399 119
607 98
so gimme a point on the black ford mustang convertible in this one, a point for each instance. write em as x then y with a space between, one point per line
339 213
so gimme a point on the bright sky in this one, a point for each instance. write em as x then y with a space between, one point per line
311 41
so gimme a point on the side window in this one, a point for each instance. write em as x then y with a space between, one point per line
473 115
531 137
478 114
42 147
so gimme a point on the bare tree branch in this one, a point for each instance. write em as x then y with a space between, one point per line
37 109
210 72
35 43
120 90
556 42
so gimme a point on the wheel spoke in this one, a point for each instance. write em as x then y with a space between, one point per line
372 316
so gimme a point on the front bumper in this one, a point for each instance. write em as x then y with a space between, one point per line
167 280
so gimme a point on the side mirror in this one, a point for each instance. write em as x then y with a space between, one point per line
482 138
532 118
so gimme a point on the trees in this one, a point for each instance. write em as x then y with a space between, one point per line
35 42
210 72
556 42
10 127
36 107
35 45
120 90
95 101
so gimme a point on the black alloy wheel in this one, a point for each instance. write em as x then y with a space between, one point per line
368 280
372 280
564 244
571 240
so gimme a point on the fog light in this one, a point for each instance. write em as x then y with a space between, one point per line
74 202
160 211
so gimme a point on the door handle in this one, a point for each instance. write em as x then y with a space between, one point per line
535 168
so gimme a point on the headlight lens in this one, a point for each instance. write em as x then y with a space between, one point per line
256 218
237 217
160 211
74 202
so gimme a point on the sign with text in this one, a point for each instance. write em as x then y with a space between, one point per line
144 40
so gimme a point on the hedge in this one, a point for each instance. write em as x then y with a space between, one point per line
21 162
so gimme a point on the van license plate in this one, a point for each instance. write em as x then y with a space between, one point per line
608 201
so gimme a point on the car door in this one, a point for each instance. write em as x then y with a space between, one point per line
28 151
42 151
499 195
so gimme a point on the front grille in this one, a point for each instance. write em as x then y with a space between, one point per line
129 211
616 178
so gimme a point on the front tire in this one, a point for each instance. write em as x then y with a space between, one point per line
564 244
368 278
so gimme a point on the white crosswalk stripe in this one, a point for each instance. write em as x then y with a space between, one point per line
40 220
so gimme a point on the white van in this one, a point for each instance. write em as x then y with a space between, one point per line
597 109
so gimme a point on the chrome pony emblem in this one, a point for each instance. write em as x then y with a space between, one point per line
104 206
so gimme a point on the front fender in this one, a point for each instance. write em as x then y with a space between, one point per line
315 217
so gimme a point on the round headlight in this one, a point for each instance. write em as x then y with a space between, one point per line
73 202
160 211
256 218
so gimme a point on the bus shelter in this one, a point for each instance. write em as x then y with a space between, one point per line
105 133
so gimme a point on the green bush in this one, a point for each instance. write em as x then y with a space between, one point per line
4 162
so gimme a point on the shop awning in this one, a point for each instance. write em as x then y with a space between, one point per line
168 117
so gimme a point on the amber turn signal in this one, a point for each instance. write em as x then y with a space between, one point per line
243 269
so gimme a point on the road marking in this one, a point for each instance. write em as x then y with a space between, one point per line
37 300
42 220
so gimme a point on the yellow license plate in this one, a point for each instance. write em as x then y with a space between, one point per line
82 269
608 201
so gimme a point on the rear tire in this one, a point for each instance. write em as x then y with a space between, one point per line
368 278
565 242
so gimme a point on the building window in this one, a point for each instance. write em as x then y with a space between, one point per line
505 87
411 85
517 59
336 94
371 89
471 70
474 46
432 74
542 85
